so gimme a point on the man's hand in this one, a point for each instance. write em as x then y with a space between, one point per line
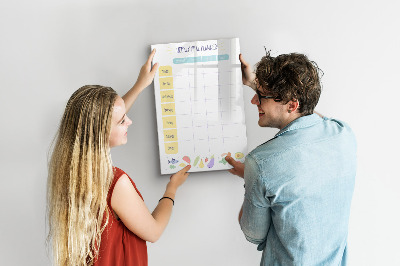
248 76
238 167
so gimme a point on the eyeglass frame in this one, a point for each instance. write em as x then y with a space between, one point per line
276 99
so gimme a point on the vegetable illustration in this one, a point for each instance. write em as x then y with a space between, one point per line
211 162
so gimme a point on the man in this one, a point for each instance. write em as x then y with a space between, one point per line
299 184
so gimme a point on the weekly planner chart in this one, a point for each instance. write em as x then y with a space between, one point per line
199 105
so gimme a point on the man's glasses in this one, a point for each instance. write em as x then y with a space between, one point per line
276 99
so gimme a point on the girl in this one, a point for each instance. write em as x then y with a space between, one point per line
96 214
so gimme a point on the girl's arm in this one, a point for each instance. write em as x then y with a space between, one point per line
131 209
146 76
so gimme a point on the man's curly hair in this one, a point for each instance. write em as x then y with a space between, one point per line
290 77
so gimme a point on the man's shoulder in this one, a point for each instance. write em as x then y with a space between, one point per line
267 151
294 140
336 128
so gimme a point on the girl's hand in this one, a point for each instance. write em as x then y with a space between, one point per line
179 178
147 73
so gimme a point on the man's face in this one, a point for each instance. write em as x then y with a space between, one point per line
270 113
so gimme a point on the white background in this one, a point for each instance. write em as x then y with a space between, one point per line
48 49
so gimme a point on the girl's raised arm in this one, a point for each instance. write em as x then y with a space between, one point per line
145 78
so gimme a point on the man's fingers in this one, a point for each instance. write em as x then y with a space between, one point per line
230 160
242 60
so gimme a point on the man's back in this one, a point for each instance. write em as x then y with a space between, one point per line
299 187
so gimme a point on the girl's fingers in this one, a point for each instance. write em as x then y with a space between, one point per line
186 168
154 69
151 56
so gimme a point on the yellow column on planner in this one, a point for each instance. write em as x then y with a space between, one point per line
168 110
171 148
169 121
165 71
167 96
170 135
166 83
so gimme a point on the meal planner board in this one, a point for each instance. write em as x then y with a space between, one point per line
199 105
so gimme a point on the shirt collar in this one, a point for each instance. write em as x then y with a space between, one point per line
301 122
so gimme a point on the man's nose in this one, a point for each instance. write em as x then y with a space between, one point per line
254 100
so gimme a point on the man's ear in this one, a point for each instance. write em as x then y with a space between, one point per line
293 105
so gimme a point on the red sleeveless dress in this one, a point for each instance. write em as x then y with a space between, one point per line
119 246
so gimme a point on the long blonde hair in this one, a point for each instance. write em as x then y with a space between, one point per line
80 174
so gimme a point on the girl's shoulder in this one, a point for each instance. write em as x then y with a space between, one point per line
118 172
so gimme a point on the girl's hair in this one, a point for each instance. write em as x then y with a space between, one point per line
80 174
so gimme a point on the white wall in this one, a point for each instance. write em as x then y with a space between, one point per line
48 49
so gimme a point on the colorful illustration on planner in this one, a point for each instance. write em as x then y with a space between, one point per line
199 105
201 162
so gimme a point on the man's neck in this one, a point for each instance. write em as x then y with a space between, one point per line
290 119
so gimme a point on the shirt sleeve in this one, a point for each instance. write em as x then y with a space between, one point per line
256 216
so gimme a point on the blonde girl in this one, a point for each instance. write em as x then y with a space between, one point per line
96 214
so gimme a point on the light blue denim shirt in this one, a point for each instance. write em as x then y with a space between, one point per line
298 190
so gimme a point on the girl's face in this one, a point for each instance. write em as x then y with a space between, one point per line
119 124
